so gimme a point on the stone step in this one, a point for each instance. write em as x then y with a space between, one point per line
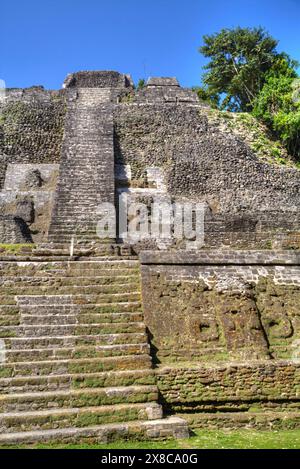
67 229
76 348
62 245
99 351
83 220
85 223
107 269
10 320
263 420
171 427
105 262
78 298
110 308
9 310
66 237
108 261
107 274
80 318
33 290
97 397
67 319
86 365
81 225
102 276
26 258
77 381
51 246
82 240
77 251
77 417
78 281
97 298
65 224
25 343
39 280
65 329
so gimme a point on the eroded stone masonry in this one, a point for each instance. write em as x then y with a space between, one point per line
101 340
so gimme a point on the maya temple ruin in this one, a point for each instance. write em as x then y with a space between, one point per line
102 338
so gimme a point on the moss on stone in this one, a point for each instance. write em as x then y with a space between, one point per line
254 133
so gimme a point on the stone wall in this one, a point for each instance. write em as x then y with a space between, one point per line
250 203
199 160
13 230
164 90
31 127
28 194
237 387
225 333
98 79
222 306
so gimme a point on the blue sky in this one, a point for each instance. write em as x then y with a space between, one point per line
43 40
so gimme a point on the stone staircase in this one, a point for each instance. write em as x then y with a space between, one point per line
86 177
75 361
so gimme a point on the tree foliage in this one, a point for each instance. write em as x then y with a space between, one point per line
206 96
278 105
141 84
246 73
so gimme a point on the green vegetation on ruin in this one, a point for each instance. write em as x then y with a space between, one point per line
254 133
15 248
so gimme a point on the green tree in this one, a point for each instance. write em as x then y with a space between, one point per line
141 84
296 90
204 95
239 61
275 96
287 126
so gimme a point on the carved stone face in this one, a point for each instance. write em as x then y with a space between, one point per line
279 309
222 317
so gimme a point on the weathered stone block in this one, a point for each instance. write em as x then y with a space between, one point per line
13 230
